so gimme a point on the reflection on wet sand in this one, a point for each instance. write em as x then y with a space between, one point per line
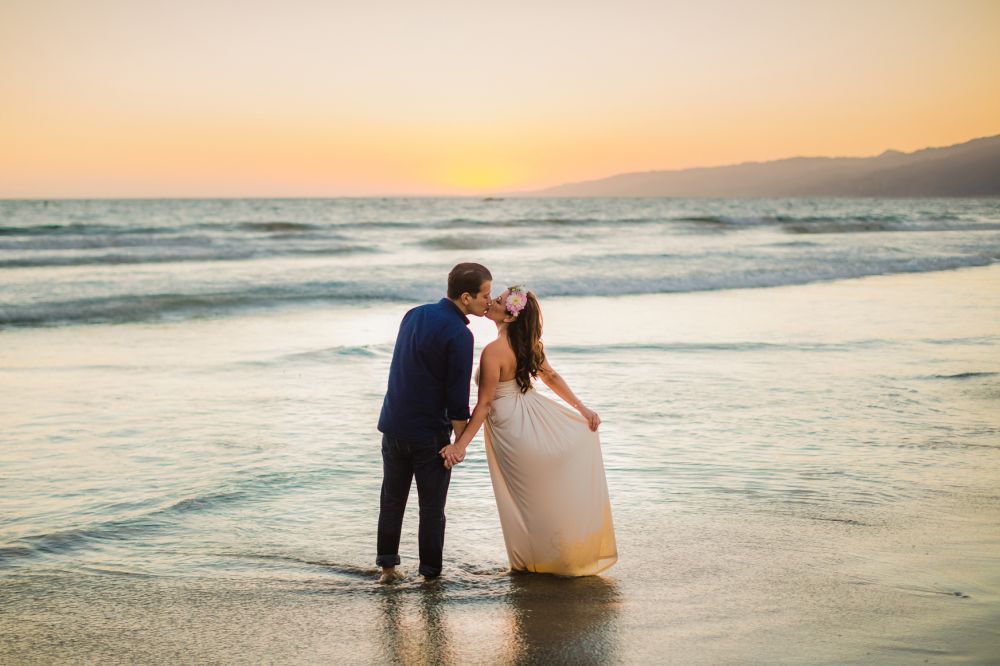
564 620
537 619
421 637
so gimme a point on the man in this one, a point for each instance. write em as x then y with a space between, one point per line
427 398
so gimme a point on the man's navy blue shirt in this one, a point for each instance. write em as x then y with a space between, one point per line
430 373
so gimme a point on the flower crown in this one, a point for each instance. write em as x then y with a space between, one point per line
516 300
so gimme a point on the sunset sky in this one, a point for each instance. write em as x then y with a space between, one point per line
129 98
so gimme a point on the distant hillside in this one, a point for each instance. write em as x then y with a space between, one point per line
965 170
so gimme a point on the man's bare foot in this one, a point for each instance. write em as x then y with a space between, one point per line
390 575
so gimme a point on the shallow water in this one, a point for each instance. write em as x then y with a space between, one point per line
797 473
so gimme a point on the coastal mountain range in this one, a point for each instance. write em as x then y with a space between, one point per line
970 169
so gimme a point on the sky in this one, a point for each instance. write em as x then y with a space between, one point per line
139 98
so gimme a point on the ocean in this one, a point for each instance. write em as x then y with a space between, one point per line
801 430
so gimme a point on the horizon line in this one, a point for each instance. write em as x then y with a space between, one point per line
527 193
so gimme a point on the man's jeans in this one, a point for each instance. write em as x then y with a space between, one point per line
401 461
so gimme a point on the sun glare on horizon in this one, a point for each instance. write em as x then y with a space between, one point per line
477 179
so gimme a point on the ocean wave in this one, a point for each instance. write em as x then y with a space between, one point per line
474 580
793 244
140 524
779 275
278 227
459 242
98 233
720 223
79 229
521 222
717 221
758 220
74 242
115 309
341 352
714 347
839 227
162 255
62 541
846 224
102 229
854 217
285 227
966 375
358 573
627 275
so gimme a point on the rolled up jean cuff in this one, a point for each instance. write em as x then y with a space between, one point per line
387 560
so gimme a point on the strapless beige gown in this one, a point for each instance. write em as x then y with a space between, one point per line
548 478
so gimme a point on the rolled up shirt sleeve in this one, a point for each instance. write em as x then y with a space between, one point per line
458 376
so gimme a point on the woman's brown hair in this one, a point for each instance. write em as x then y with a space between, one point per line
525 335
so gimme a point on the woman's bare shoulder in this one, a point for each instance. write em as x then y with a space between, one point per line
499 352
498 346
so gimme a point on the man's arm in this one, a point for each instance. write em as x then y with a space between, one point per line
489 378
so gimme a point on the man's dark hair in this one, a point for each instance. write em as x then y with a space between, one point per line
467 277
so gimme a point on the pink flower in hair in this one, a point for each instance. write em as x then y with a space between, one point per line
516 300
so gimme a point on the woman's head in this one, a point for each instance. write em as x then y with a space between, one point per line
505 307
519 309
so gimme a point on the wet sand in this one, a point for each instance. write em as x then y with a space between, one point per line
718 589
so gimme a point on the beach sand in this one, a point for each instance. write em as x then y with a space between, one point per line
833 500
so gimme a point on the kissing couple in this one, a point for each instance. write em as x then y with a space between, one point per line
544 458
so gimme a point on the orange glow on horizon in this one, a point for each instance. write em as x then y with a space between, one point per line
479 179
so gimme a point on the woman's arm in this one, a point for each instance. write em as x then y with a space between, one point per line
554 381
489 377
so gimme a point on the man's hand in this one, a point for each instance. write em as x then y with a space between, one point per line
452 455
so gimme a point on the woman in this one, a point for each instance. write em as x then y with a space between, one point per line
544 459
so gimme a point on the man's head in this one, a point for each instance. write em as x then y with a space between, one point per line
469 288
